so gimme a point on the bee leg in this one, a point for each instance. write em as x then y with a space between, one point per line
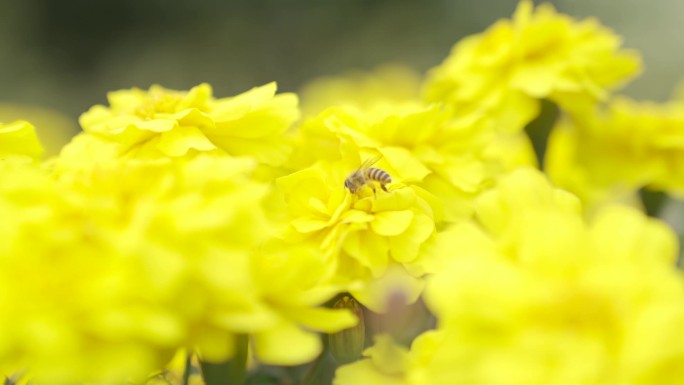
375 195
384 188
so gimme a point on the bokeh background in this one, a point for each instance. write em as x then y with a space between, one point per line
65 55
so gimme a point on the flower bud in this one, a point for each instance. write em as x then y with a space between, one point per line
347 345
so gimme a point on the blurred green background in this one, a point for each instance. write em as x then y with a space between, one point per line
67 54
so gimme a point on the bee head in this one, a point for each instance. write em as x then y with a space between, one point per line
348 184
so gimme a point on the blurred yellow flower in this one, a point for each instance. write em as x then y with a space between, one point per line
82 155
609 155
54 128
162 228
166 123
386 85
538 54
287 280
539 295
386 365
103 275
578 305
501 209
19 140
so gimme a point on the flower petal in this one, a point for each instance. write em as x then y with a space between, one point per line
323 319
364 372
391 223
179 141
406 165
286 345
308 225
404 248
357 216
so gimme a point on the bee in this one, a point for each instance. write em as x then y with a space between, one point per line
366 174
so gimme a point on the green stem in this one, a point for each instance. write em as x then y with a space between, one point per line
313 369
652 200
188 369
231 372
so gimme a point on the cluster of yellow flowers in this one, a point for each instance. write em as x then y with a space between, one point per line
178 225
532 292
611 153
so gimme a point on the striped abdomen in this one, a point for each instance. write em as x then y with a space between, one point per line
378 175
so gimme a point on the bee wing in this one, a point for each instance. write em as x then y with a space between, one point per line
369 162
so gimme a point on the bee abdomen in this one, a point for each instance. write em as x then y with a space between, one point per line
378 175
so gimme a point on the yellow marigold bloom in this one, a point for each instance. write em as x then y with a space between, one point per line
19 140
166 123
54 128
386 365
576 306
608 155
540 296
287 283
386 85
362 235
538 54
389 363
103 275
452 158
516 195
81 155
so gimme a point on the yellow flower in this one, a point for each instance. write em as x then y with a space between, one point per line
578 305
385 86
386 365
501 209
608 155
389 363
538 54
452 158
535 294
361 235
19 140
288 280
82 155
54 128
166 123
103 275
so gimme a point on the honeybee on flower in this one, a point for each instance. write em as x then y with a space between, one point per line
367 175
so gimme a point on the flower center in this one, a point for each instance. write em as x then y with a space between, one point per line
159 102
